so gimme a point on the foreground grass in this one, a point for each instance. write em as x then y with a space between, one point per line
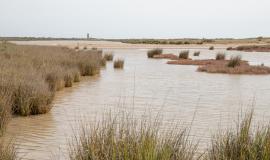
123 137
30 76
241 143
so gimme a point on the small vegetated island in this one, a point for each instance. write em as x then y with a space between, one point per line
233 65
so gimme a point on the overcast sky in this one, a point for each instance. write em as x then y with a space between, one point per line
135 18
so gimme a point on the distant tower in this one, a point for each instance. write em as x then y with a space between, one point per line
88 36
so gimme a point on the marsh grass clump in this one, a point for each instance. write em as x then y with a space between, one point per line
5 112
211 48
234 61
7 151
77 77
243 142
197 53
220 56
32 74
126 137
153 52
119 63
108 56
184 54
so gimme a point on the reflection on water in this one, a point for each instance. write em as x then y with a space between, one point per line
178 92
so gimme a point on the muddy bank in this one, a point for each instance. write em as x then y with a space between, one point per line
221 66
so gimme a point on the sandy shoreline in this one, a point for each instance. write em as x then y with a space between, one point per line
119 45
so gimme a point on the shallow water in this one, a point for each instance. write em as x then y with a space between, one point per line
146 85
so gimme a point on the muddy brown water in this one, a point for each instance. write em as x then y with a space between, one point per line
146 85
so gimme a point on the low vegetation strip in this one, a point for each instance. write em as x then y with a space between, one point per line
253 48
30 76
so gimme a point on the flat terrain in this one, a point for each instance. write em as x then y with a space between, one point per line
120 45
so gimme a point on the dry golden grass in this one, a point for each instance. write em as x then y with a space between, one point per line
30 75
